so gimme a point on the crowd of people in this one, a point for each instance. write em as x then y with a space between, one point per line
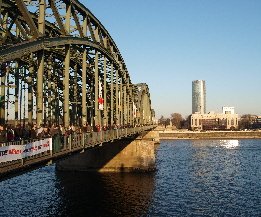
26 132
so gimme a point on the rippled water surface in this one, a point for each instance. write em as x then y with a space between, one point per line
194 178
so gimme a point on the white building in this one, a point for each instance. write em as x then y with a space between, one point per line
228 110
213 121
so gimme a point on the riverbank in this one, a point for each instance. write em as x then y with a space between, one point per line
185 134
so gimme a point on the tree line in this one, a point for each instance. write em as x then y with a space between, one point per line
175 120
249 121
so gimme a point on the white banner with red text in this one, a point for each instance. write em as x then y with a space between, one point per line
16 152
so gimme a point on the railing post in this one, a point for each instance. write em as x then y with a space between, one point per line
22 160
52 145
70 142
82 138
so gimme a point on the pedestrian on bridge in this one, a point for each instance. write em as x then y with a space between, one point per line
18 132
84 128
40 131
54 131
33 132
51 129
69 131
45 132
89 128
2 134
62 129
10 134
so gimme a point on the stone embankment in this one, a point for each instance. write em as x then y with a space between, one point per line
175 134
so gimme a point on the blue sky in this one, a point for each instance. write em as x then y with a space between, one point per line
169 43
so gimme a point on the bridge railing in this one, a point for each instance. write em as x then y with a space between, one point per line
18 153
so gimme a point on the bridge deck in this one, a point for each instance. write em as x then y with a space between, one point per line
60 147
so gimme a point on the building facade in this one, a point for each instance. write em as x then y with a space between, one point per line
198 97
228 110
228 119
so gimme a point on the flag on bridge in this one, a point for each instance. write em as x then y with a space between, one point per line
100 100
134 110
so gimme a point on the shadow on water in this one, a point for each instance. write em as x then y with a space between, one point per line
47 192
104 194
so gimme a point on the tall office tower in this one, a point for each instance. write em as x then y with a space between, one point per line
198 96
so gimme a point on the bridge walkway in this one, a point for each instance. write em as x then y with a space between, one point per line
45 151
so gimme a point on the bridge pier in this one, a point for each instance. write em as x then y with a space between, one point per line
121 156
153 135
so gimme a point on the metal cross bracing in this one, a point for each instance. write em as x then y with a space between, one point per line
59 65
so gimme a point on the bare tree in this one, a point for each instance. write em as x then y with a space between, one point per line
176 119
246 121
185 122
162 120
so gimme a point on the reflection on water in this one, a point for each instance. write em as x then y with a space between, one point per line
229 143
206 178
194 178
59 193
106 194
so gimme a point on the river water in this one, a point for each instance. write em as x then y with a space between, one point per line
193 178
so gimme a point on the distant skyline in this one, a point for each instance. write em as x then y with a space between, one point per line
168 44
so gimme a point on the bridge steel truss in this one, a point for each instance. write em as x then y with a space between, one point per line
58 64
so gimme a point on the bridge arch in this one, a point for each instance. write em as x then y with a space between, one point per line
60 65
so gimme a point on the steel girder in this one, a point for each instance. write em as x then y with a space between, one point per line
60 65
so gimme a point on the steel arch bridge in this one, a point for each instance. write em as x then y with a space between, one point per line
58 64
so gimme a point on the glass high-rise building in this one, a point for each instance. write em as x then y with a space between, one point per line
198 96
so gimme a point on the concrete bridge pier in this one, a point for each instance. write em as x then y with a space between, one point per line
153 135
125 155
